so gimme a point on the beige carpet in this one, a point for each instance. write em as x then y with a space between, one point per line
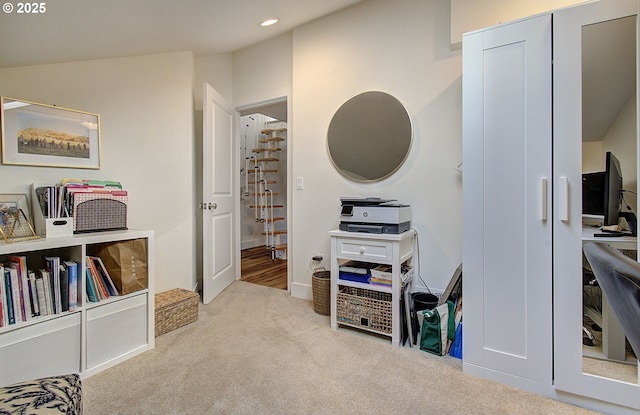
256 350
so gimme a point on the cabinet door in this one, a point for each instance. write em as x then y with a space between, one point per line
506 215
44 349
116 331
574 370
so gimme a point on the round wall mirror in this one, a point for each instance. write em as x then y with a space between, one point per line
369 136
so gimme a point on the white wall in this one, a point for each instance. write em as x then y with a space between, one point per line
262 72
621 141
592 157
146 109
402 48
217 71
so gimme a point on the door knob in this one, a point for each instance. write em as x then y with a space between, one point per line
212 206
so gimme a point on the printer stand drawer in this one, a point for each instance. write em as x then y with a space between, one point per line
365 250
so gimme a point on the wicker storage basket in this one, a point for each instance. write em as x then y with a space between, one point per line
321 287
368 309
175 308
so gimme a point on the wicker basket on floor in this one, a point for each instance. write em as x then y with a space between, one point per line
321 286
175 308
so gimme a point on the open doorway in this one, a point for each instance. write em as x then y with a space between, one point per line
263 194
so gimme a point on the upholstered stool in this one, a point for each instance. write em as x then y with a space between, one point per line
51 395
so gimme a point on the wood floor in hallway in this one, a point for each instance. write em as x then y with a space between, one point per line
257 267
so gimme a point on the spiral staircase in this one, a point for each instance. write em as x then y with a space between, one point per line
262 168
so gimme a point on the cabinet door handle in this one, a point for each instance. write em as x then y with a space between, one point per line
563 203
362 250
543 199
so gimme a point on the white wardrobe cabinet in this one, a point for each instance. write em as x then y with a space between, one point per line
522 219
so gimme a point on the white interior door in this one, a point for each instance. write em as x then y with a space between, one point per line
219 195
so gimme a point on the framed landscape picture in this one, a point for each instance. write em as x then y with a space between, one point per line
45 135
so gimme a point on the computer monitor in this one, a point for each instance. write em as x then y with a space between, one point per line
612 190
593 193
601 191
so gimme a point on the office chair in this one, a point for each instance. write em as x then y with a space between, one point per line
592 304
619 279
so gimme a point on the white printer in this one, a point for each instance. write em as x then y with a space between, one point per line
374 215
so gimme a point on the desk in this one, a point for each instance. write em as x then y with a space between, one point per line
613 339
621 242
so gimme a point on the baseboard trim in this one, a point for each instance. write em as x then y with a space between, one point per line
254 243
303 291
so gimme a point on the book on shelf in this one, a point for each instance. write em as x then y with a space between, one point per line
101 290
102 281
52 265
72 272
104 274
91 290
15 294
64 288
55 277
3 307
40 291
33 294
20 264
48 293
8 297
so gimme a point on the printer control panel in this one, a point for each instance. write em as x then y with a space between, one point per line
347 210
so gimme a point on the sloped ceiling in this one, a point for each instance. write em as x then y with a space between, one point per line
72 30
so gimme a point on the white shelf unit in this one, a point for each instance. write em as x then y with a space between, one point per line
93 337
383 249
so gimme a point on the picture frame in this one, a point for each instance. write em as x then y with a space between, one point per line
15 218
14 201
45 135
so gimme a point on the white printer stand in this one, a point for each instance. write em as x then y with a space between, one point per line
377 249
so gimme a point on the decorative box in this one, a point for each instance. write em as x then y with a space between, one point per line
175 308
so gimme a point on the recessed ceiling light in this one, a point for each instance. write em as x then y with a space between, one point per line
269 22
